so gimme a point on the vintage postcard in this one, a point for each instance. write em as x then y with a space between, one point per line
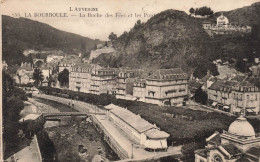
130 80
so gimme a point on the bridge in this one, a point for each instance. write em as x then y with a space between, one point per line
61 114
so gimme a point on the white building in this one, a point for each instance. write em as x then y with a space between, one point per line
80 77
54 58
137 129
222 20
103 80
239 144
167 87
139 89
24 74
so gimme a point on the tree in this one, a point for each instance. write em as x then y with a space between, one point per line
137 24
37 76
213 69
196 11
201 96
95 47
63 77
106 44
12 100
192 10
240 66
83 49
203 11
112 37
200 71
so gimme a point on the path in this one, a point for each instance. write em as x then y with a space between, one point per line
27 154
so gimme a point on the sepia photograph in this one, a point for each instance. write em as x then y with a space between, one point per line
130 80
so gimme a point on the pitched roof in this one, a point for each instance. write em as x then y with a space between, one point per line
155 133
26 66
194 84
221 85
168 74
206 77
67 60
254 151
238 78
216 85
82 65
135 72
132 119
252 82
202 152
243 159
231 149
214 139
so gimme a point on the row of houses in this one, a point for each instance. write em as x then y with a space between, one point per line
162 87
240 94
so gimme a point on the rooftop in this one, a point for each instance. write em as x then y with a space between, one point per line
132 119
82 65
214 139
231 149
155 133
138 123
254 151
168 74
216 85
241 127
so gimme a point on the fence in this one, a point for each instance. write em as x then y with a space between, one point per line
38 148
110 139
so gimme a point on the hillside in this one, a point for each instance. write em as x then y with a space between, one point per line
20 34
174 39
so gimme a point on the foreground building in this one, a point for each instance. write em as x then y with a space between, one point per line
239 144
167 87
137 129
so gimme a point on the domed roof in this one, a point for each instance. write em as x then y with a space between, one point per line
241 127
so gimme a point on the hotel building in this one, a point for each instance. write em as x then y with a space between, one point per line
167 87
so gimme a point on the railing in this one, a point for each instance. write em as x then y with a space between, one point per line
110 140
38 148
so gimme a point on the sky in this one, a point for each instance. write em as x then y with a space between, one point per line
101 27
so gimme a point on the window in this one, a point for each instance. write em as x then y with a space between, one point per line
150 93
217 159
